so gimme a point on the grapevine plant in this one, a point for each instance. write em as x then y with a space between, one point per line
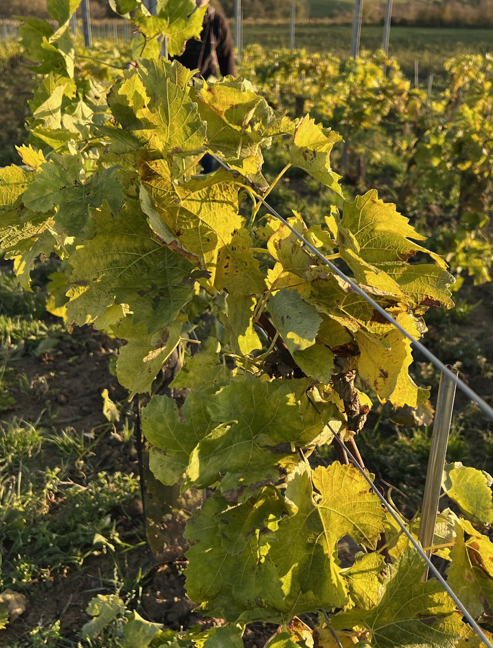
162 257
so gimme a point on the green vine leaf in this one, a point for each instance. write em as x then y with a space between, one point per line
471 489
58 184
140 360
364 579
381 233
251 418
384 363
204 370
228 637
312 145
296 321
409 612
125 264
179 20
239 324
62 10
316 361
304 548
470 573
104 609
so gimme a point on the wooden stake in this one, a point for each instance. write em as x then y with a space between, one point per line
436 463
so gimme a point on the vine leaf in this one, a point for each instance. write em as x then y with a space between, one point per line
31 157
177 20
203 370
283 640
172 439
381 233
426 284
409 613
304 548
316 361
326 639
226 637
237 269
312 145
238 122
13 183
53 50
142 357
30 249
251 417
296 321
471 489
243 338
125 264
469 638
228 571
203 215
385 360
58 184
286 248
170 122
364 579
62 10
470 573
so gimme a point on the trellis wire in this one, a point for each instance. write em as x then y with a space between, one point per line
486 409
415 544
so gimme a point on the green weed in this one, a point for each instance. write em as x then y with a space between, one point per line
14 300
19 440
42 637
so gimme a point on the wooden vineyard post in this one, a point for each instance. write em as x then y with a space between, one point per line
386 31
356 35
416 74
436 462
86 22
292 26
73 24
